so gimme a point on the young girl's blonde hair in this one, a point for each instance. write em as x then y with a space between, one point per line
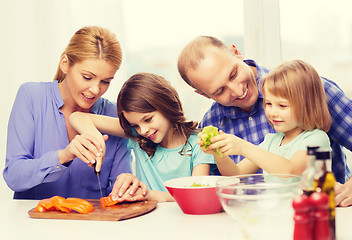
300 84
92 42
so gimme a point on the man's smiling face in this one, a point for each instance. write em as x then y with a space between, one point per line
225 78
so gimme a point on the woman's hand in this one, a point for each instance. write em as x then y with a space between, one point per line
127 187
343 195
85 147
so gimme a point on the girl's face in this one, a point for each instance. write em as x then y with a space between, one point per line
279 113
153 125
86 81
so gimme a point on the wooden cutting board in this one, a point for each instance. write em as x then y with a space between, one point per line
117 212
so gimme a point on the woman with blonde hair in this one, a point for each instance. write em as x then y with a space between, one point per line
295 105
44 154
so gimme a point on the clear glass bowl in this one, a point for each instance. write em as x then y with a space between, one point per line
261 204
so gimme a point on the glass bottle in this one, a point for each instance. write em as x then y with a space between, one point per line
324 181
308 174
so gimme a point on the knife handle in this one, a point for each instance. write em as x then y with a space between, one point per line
95 171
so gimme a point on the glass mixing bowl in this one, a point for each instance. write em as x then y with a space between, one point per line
261 204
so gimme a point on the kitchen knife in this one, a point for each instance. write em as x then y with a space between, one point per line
98 173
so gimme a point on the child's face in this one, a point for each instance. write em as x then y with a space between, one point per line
152 125
279 113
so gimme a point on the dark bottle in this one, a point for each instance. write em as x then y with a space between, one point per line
308 174
324 181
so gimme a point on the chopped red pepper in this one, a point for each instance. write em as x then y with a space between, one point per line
78 204
57 201
107 202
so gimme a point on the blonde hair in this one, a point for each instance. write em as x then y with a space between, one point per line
300 84
194 52
91 42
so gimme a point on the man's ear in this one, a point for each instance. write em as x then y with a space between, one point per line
201 93
64 62
236 52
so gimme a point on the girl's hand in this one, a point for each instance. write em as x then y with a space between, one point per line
85 147
201 143
137 196
228 144
128 186
343 195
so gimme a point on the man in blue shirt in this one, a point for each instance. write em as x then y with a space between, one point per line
219 73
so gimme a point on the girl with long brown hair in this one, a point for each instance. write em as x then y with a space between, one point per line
163 141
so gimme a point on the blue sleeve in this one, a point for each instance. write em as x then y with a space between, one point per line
22 170
340 108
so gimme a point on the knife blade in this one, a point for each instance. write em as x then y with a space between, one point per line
98 173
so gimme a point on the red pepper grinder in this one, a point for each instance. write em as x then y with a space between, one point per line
302 218
320 202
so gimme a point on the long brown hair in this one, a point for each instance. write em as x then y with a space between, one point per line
91 42
147 92
300 84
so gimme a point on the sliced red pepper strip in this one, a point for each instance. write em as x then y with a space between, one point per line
107 202
65 205
45 205
39 208
57 201
78 204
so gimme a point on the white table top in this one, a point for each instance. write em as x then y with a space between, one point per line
167 221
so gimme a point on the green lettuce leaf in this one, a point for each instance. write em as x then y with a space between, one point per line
207 133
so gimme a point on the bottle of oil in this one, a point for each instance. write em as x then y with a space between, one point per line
308 174
324 181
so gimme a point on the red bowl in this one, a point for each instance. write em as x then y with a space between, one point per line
195 200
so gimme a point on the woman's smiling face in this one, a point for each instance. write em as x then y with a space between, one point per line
87 81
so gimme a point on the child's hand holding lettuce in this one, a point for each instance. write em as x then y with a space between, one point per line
207 133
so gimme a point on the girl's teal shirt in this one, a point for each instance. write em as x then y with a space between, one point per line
167 163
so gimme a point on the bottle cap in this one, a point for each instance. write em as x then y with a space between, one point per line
322 155
312 149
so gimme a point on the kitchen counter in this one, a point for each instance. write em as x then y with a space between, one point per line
167 221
